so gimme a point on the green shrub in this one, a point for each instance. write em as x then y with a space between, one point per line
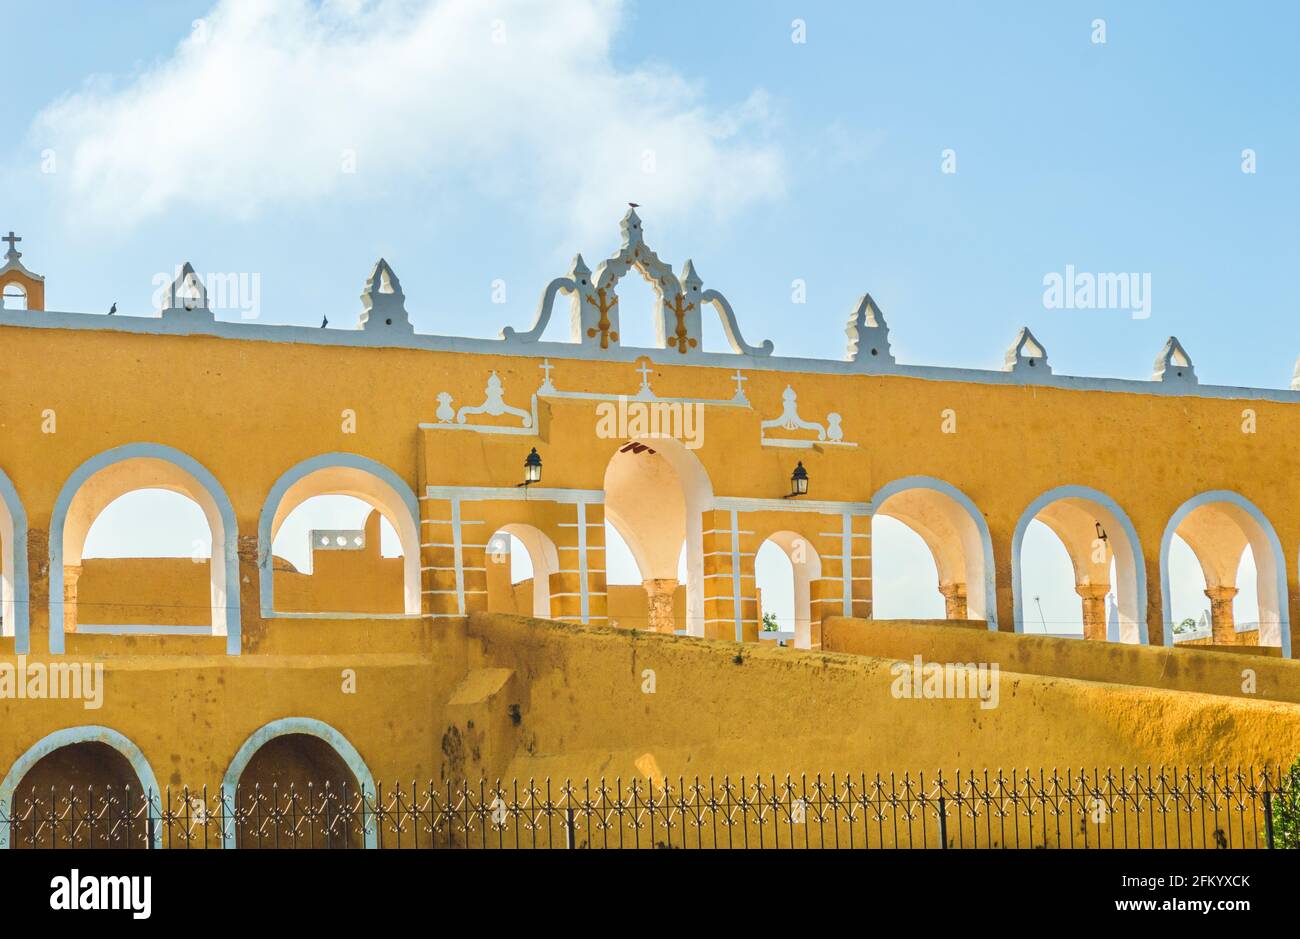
1286 810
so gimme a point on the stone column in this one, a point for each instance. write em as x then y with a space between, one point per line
1223 627
71 574
954 601
1094 609
659 596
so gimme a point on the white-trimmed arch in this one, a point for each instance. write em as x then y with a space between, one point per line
1130 568
307 726
660 559
807 566
68 737
544 557
954 529
1270 563
113 473
345 474
15 592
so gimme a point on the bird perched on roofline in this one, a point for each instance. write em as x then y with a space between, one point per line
324 321
113 308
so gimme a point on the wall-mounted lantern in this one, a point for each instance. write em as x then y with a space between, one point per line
532 469
1101 532
798 482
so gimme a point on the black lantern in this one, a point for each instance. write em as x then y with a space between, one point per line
1101 532
532 468
798 482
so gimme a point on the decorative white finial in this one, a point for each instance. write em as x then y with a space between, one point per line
868 334
383 305
690 280
1027 355
631 228
1173 364
186 298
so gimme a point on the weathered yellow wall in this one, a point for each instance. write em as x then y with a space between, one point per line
1178 669
153 591
189 707
718 708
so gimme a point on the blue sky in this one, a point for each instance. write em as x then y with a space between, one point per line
492 141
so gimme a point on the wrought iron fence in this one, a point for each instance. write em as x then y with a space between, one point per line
1188 808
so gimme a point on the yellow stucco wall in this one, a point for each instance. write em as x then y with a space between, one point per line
248 411
718 709
1194 669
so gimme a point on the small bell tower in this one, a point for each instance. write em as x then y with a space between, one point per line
19 287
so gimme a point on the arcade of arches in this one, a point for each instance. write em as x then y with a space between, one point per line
510 472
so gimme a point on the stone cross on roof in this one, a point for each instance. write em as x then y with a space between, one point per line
13 240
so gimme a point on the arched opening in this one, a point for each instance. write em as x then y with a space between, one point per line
1237 553
301 778
146 560
337 554
79 788
785 568
520 562
14 297
960 549
904 574
76 797
308 770
655 494
195 562
13 567
1051 604
638 310
358 574
1105 568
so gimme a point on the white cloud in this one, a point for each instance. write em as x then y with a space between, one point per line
517 99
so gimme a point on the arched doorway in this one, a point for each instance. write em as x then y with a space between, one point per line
1219 527
1105 558
656 492
299 783
957 537
81 787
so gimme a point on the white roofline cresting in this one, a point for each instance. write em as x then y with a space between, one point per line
383 323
